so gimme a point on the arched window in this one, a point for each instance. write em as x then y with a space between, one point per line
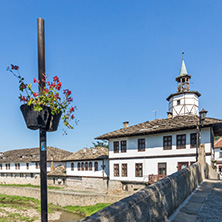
82 166
90 166
86 165
96 166
72 166
78 166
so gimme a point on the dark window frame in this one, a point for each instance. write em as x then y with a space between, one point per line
90 166
181 141
124 170
116 170
166 141
72 166
86 166
37 165
193 137
141 145
82 166
79 166
96 166
116 146
123 146
138 170
160 168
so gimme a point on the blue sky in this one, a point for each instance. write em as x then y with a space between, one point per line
119 58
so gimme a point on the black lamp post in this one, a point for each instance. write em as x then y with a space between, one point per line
202 116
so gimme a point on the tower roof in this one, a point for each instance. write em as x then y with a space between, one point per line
183 70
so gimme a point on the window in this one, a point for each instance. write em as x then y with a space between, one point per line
116 170
7 165
53 180
21 175
78 166
181 141
72 166
116 146
86 165
193 140
123 146
90 166
96 166
32 175
0 166
162 169
82 166
167 142
138 169
37 165
178 102
220 155
124 170
27 166
141 145
17 166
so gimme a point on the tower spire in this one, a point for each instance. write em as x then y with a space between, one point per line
183 70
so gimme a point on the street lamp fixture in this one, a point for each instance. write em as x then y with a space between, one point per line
202 116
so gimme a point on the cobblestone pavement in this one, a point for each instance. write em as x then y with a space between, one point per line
203 205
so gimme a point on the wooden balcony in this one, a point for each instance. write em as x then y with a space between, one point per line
154 178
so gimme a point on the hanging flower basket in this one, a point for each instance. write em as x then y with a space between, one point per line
54 122
40 119
44 110
35 119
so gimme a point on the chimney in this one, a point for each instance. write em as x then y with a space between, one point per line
125 124
169 115
52 164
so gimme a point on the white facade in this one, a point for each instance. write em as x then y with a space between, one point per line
21 167
102 171
155 154
184 104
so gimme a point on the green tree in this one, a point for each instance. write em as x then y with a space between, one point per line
101 144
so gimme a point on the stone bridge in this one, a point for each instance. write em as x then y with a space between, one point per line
191 194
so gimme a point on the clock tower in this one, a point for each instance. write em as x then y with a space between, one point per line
184 101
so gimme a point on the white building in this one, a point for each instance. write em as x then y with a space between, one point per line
218 154
88 168
162 146
22 166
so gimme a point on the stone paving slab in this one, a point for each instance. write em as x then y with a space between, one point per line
204 204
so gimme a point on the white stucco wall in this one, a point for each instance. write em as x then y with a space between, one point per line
23 169
88 173
190 100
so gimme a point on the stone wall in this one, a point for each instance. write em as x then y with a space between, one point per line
12 178
87 183
62 198
158 201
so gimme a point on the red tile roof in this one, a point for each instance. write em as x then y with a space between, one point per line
218 143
